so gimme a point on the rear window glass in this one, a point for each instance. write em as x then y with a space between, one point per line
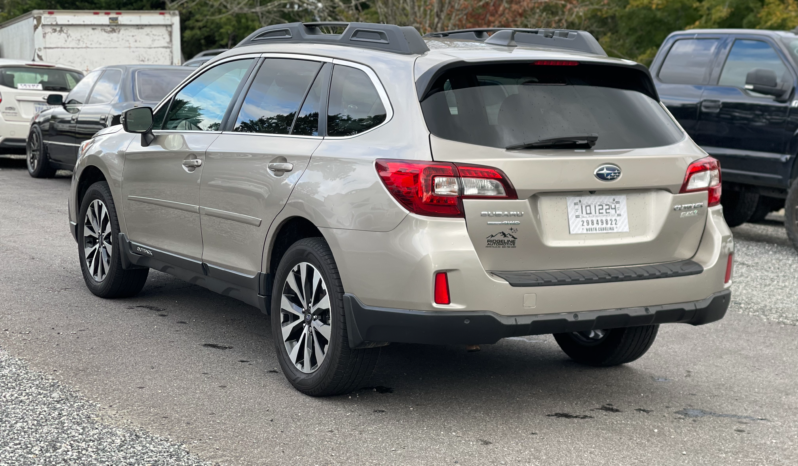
153 85
688 61
355 106
513 105
39 79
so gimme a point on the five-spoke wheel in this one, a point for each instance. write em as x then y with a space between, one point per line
97 240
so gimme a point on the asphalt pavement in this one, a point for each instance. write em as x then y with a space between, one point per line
185 375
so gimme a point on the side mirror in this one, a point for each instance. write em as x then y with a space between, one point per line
139 120
55 100
764 81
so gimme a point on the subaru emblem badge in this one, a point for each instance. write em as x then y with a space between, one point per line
608 172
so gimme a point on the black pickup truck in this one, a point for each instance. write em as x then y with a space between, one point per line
733 91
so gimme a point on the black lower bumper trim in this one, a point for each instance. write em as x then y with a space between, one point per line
601 275
368 326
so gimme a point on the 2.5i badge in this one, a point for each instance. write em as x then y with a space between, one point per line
503 239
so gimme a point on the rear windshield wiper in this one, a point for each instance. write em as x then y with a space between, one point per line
585 141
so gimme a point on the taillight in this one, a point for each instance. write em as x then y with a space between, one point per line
703 175
437 189
442 288
729 267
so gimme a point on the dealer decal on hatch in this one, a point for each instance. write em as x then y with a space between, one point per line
503 239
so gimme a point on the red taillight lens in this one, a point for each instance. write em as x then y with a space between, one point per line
442 288
704 175
729 267
556 63
437 189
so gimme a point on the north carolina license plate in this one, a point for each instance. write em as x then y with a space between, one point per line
597 214
40 107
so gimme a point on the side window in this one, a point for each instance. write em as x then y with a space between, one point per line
158 117
748 55
106 87
201 105
307 122
79 93
688 61
274 98
355 106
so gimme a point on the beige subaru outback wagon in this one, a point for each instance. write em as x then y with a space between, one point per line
365 185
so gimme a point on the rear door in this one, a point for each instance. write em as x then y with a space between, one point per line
252 168
551 225
682 75
747 131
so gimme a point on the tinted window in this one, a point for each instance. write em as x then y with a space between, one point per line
158 117
307 123
153 85
510 105
201 105
688 61
748 55
36 78
355 106
275 96
81 91
106 87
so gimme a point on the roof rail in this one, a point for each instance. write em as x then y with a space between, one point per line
386 37
582 41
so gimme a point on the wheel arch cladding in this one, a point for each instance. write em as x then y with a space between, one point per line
289 232
88 177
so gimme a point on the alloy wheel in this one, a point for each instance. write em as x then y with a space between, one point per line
97 240
34 148
305 317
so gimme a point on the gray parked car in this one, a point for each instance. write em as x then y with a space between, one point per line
375 186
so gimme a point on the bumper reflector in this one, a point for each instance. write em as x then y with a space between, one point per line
442 288
729 267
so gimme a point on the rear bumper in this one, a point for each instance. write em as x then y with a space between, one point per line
370 326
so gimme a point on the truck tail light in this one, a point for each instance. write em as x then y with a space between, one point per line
703 175
729 267
437 189
442 288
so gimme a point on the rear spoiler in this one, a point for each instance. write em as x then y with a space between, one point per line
426 81
571 39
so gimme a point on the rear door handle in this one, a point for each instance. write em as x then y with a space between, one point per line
711 106
192 163
281 166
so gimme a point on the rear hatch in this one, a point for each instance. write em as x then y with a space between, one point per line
24 88
596 161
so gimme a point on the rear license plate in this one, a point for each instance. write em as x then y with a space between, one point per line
38 108
597 214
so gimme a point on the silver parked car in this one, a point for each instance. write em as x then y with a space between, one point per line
375 186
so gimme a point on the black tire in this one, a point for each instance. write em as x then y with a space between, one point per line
765 206
618 346
791 214
117 282
738 206
36 157
342 369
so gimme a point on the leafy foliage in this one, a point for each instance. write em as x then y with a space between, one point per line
631 29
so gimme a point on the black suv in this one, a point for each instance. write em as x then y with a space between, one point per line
733 91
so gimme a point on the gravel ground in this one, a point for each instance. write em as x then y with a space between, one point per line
766 266
45 423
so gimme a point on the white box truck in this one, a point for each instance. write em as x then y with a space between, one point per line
89 39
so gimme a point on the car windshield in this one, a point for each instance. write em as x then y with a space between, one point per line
36 78
519 105
153 85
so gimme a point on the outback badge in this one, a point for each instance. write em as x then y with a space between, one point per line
608 172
